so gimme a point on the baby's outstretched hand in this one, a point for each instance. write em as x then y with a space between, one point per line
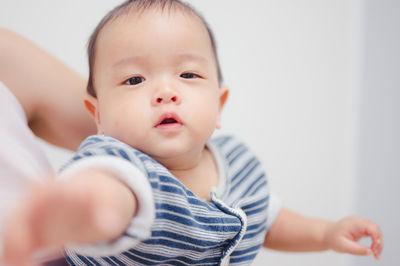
343 236
90 208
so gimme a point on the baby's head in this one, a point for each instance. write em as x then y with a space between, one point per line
155 81
139 6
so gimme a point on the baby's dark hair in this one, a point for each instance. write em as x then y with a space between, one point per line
141 6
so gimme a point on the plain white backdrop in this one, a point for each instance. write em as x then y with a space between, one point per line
300 79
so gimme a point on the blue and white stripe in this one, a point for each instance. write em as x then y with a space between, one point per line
188 230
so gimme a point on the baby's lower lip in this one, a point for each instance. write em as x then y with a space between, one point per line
169 128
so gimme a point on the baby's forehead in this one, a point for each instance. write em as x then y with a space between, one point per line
138 22
155 11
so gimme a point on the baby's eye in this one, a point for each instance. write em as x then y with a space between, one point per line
189 76
134 81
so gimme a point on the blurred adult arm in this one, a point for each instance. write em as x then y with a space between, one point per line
50 92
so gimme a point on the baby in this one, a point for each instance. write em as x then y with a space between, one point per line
152 187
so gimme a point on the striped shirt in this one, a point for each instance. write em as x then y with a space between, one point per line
229 229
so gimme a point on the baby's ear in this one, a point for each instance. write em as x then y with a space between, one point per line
91 104
223 96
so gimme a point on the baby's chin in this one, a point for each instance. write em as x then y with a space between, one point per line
176 157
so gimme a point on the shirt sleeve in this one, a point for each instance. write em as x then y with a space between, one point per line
140 226
274 207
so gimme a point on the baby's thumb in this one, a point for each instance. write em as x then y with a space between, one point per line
355 248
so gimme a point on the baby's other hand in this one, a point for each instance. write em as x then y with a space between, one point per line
343 236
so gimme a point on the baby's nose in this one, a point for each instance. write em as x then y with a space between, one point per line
167 99
165 96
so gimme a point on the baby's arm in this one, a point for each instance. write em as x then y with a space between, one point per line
90 207
293 232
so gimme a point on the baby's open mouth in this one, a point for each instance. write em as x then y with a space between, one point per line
168 121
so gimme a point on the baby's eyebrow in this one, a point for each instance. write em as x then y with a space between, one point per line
192 56
179 58
128 60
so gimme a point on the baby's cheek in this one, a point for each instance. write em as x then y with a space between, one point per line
116 125
207 121
111 123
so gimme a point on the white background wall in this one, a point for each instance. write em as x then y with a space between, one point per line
296 69
378 143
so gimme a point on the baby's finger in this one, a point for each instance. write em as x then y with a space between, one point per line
373 230
17 241
375 233
355 248
377 247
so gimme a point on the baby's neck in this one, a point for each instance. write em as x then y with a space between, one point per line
199 177
185 162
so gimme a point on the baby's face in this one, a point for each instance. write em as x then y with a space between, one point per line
157 86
